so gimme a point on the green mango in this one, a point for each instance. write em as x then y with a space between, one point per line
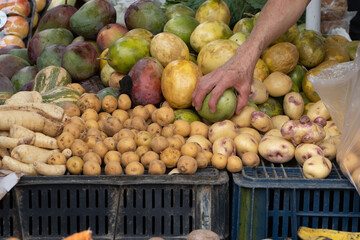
297 75
51 56
48 37
10 64
23 76
91 17
179 10
126 51
145 14
22 52
80 60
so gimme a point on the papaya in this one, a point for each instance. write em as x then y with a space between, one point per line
281 57
336 52
311 47
307 86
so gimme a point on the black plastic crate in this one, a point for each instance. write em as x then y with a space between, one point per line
118 207
273 201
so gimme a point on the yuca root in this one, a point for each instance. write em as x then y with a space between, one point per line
51 111
38 117
4 152
8 142
30 154
17 166
17 131
4 133
30 120
24 97
49 170
40 140
43 141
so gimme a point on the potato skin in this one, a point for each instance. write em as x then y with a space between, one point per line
200 234
293 105
225 128
278 84
245 142
307 150
258 93
302 131
243 118
261 121
276 149
279 120
317 167
318 109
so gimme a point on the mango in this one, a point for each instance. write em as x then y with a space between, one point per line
51 56
45 38
145 14
23 76
80 60
146 79
91 17
126 51
57 17
10 64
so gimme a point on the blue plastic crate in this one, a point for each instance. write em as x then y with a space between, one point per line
273 201
117 207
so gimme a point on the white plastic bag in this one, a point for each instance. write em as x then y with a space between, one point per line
339 88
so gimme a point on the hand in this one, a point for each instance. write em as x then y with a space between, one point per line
237 72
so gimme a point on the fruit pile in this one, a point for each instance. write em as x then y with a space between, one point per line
126 91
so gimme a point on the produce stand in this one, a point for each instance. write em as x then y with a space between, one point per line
117 207
268 201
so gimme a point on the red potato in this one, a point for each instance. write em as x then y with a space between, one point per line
273 132
331 130
305 151
245 142
224 146
243 118
204 143
224 128
258 93
279 120
318 109
276 149
261 121
329 146
317 167
303 130
293 105
253 132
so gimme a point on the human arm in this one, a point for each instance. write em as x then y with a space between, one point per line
276 17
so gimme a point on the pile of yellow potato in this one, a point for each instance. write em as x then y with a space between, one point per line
111 135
